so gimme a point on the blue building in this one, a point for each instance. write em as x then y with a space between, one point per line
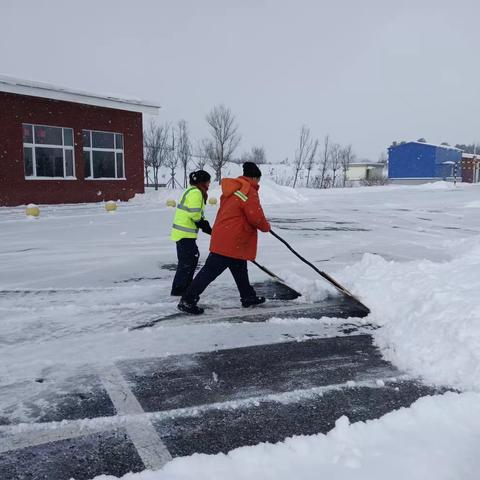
417 162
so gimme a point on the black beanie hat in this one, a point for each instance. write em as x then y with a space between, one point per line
251 170
200 176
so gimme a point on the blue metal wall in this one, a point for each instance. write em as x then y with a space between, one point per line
419 160
447 155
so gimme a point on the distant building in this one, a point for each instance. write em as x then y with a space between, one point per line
470 167
65 146
417 162
366 171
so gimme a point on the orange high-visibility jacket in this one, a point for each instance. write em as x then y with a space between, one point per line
239 217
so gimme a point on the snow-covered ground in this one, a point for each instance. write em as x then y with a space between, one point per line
73 281
436 439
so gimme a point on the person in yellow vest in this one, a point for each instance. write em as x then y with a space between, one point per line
189 218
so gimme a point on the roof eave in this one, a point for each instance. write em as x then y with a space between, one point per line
79 97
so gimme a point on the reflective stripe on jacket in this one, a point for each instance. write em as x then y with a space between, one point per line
189 210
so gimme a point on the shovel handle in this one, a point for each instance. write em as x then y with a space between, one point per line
327 277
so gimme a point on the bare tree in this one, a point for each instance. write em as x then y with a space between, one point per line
324 161
184 149
255 155
375 179
200 154
210 153
305 146
346 158
335 161
244 157
310 163
258 155
383 159
171 161
225 138
327 181
146 172
156 148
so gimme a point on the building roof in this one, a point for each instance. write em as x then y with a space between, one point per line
367 164
446 147
45 90
472 156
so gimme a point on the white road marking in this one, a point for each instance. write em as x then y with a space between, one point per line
144 437
138 423
38 436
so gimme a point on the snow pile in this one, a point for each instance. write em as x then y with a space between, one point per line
153 197
270 193
442 185
312 291
436 439
429 311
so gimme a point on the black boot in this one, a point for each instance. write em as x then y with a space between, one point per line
190 307
251 301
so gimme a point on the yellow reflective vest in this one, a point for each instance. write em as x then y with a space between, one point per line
189 210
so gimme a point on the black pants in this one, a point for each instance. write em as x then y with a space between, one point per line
214 266
187 254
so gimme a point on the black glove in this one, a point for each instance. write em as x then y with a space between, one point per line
204 226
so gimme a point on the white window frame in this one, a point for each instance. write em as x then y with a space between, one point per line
115 150
64 147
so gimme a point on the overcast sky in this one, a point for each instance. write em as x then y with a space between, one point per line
365 71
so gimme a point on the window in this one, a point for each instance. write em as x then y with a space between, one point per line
48 152
103 155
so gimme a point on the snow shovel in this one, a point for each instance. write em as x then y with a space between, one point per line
277 279
324 275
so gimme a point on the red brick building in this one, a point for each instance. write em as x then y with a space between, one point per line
470 168
65 146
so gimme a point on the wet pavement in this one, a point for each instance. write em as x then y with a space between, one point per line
139 414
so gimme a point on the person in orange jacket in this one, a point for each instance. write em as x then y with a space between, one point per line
234 239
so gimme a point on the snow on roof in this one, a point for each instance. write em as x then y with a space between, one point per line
366 164
471 155
447 147
45 90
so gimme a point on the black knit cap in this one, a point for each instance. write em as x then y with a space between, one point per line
251 170
200 176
